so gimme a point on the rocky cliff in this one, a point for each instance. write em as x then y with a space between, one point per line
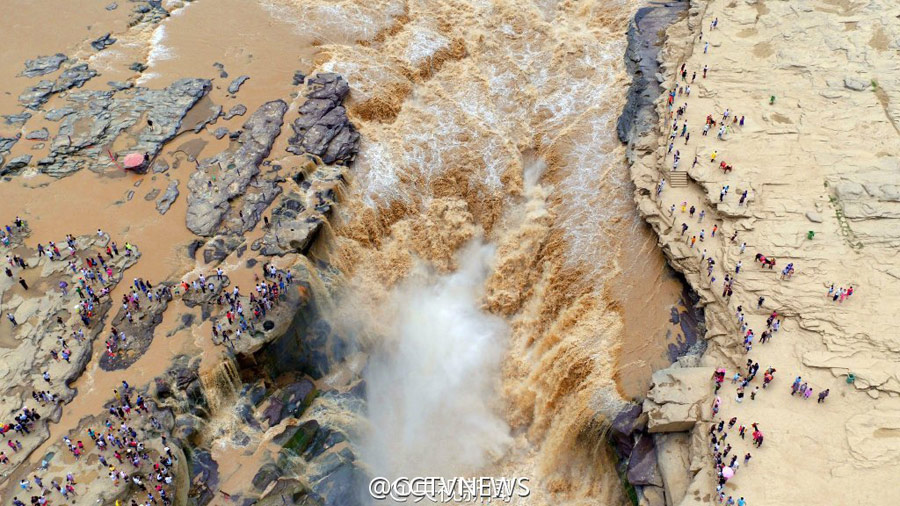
809 103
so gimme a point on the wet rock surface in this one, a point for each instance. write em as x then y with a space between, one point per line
236 110
138 326
16 119
168 198
43 65
645 38
289 401
58 114
38 135
237 83
210 201
18 162
6 143
103 42
323 128
73 77
98 117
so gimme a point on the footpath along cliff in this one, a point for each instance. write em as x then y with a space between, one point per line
809 94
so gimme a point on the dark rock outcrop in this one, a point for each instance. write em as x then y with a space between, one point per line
268 473
120 85
204 476
340 481
298 217
296 439
43 65
99 117
73 77
35 96
18 162
38 135
103 42
289 401
6 143
641 60
642 469
16 119
168 198
323 128
209 201
139 333
237 83
58 114
236 110
292 230
219 248
159 166
622 429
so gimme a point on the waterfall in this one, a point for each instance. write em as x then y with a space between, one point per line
221 383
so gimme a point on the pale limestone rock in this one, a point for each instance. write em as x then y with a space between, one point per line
673 456
652 496
677 398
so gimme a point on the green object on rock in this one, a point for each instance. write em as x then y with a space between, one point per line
772 100
810 234
851 378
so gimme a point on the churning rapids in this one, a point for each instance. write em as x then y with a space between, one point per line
503 298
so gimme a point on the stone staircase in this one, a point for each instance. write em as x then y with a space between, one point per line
678 179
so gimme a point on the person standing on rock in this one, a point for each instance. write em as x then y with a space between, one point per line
822 395
23 283
12 319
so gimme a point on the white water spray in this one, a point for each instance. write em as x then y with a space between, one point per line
433 398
